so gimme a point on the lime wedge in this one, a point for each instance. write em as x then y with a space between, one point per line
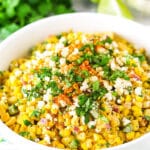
114 7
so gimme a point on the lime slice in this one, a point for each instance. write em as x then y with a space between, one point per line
114 7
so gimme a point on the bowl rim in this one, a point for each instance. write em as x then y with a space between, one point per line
58 17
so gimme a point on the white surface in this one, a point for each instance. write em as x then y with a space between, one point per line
18 43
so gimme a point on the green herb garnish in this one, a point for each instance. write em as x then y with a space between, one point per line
147 118
118 74
27 122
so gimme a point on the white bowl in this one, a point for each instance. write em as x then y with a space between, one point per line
18 44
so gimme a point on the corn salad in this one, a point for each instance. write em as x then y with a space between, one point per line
78 91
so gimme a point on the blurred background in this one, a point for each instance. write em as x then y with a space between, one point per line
15 14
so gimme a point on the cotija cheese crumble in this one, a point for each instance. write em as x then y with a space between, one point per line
78 91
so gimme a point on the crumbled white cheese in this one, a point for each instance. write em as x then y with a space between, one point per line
116 51
113 65
58 47
62 40
55 106
18 73
65 52
94 113
47 139
91 123
49 117
48 46
94 78
138 91
75 51
107 86
119 60
114 44
62 61
125 121
62 103
84 39
47 53
52 63
40 104
109 96
97 130
121 85
47 96
47 79
84 86
37 140
83 120
72 112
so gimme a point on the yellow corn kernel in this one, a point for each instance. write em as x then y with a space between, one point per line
54 109
75 121
67 121
22 108
138 104
81 136
139 99
67 140
102 142
52 134
12 100
16 128
87 144
128 98
21 118
126 112
11 121
137 111
60 145
130 136
96 137
137 134
146 85
83 128
147 112
5 116
135 125
42 142
65 132
38 131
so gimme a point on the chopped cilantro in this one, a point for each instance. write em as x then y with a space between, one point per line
107 40
86 118
118 74
127 128
54 88
24 134
85 73
55 58
1 72
140 57
82 99
44 72
80 60
107 72
74 144
103 118
13 110
100 60
90 46
27 122
147 118
35 113
78 78
95 86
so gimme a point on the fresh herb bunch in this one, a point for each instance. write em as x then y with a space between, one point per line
14 14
